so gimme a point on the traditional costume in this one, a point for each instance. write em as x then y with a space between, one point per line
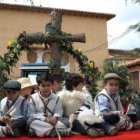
15 110
111 105
78 105
41 108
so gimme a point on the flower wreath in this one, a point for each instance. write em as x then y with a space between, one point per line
86 68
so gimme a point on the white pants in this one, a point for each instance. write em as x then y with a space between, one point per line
43 129
4 131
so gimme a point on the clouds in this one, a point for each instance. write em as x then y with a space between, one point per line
126 15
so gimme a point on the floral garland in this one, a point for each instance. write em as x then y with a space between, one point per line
87 69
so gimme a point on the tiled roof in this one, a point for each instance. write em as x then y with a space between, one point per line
133 63
49 9
120 53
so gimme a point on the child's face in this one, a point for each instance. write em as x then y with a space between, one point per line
26 91
78 87
12 95
56 86
88 87
45 88
112 86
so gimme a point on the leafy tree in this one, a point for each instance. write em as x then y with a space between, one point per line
134 1
135 27
137 50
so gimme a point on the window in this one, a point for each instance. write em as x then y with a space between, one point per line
48 28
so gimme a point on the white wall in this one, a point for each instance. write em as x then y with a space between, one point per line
39 59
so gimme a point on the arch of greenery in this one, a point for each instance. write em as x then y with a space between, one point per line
86 68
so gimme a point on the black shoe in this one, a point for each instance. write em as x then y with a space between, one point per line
31 133
16 133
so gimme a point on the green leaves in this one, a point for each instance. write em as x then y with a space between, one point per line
125 90
66 46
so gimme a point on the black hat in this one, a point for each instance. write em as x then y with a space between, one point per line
12 85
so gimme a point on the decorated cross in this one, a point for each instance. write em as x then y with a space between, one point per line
58 41
53 38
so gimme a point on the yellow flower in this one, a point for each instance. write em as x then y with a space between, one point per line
47 33
91 64
127 77
79 50
10 43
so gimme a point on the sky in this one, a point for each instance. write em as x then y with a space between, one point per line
126 14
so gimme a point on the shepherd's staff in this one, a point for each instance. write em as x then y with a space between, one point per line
58 134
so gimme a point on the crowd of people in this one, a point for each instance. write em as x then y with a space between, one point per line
55 107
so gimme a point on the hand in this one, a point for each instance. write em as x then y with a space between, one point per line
5 119
1 119
125 116
47 120
10 121
53 120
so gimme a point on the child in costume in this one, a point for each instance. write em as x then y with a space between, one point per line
57 84
77 106
131 111
45 111
26 87
13 111
108 105
87 85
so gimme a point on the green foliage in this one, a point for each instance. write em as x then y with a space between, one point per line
126 90
10 59
137 50
89 72
135 27
134 1
52 66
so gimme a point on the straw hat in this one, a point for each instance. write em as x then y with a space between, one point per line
112 76
25 82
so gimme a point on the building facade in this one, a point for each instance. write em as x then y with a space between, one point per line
14 19
130 58
134 71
